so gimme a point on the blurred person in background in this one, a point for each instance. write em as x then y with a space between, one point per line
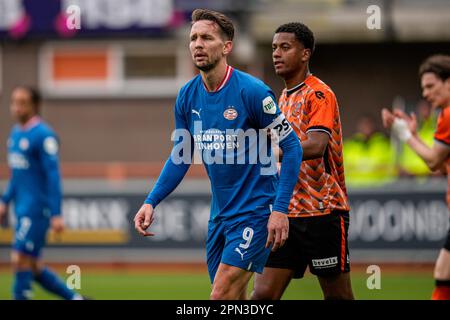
248 209
35 189
319 208
368 156
434 75
410 164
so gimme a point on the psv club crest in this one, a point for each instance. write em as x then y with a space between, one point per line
230 114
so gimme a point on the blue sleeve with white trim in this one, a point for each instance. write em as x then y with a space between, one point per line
179 161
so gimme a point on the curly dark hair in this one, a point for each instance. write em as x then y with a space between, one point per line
303 34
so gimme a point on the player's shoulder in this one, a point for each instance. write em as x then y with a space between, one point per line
14 130
318 89
445 114
443 122
43 130
249 82
188 91
191 84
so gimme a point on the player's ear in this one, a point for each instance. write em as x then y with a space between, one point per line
447 83
227 48
306 55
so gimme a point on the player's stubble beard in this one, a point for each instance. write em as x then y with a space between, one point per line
209 66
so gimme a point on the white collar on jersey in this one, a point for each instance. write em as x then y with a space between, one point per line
32 122
224 80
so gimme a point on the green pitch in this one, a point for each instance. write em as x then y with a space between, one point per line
180 286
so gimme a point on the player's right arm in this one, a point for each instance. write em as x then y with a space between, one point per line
172 174
9 193
322 113
404 127
6 198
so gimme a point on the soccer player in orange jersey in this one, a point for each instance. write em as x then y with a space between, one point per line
435 80
319 209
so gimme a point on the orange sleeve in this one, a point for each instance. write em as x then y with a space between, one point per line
442 133
322 110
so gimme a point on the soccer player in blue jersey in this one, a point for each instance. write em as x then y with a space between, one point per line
217 112
36 192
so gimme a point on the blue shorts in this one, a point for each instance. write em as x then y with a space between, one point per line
30 235
238 242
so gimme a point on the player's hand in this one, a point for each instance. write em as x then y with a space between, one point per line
411 120
57 224
278 228
3 210
143 219
387 117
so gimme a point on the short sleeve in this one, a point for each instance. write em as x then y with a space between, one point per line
323 107
442 133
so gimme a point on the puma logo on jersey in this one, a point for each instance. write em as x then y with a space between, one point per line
197 112
241 253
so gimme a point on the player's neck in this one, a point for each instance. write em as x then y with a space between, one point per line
297 78
28 120
214 77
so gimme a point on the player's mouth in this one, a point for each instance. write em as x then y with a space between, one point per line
200 56
278 63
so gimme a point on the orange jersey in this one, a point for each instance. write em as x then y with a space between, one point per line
320 188
442 135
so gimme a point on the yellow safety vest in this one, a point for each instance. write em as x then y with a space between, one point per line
409 160
369 163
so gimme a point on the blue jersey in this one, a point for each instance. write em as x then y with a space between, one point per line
225 127
35 180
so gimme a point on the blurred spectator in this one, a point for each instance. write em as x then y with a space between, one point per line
368 156
410 164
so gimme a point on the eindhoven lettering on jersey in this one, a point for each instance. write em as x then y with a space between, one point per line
33 160
218 121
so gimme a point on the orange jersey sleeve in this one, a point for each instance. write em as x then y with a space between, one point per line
442 133
322 110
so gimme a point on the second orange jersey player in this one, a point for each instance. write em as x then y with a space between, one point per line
434 75
319 209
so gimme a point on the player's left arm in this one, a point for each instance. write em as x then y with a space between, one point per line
5 199
269 117
49 155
